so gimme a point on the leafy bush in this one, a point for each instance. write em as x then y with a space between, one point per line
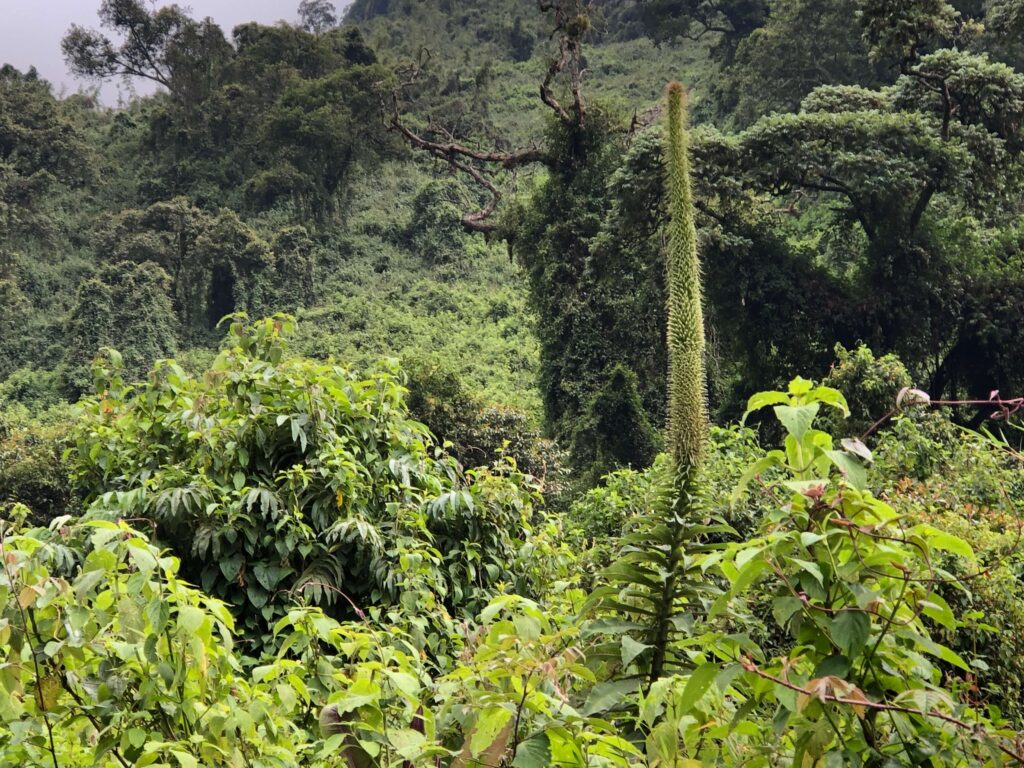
479 433
869 384
604 511
119 662
614 429
34 389
113 660
278 479
129 302
435 233
857 596
32 471
971 486
853 667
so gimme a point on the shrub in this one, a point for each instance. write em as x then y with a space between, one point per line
972 487
32 471
280 478
435 233
818 637
614 430
870 385
119 662
114 660
479 434
36 390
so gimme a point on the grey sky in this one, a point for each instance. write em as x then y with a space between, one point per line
30 30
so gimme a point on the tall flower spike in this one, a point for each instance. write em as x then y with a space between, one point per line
687 394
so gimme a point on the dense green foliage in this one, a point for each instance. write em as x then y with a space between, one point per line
473 493
281 479
863 652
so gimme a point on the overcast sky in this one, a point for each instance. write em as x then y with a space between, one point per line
30 30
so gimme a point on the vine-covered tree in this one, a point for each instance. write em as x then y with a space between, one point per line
40 148
588 286
125 304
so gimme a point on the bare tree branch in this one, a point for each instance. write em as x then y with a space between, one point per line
479 165
571 21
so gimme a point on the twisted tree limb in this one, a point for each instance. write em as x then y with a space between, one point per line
484 166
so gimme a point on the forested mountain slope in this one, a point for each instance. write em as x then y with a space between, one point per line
268 176
262 179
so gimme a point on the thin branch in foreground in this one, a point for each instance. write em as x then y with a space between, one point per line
859 700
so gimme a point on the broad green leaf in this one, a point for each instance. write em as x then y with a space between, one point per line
750 574
630 649
269 576
783 608
763 400
799 386
850 632
231 566
938 610
832 397
534 752
406 742
768 461
946 541
496 606
938 650
697 685
610 626
609 696
851 467
360 694
190 619
809 567
797 419
489 726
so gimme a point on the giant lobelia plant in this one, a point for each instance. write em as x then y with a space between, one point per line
655 581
